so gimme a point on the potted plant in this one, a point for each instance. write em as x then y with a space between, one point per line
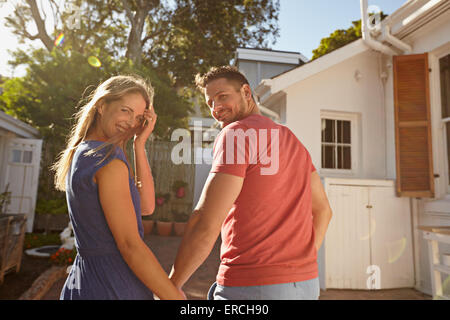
181 219
161 198
164 226
147 223
179 187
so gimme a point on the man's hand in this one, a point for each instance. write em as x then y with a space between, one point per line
205 223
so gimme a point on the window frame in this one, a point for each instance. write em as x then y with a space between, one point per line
353 118
444 122
438 123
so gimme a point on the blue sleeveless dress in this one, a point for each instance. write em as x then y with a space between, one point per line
99 271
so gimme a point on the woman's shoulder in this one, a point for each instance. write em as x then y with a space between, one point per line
92 151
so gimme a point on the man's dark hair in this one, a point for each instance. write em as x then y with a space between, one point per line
230 73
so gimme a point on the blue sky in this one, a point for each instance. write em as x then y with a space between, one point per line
303 23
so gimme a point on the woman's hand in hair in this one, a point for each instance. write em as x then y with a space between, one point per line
147 126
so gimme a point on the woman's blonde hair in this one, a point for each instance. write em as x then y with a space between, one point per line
110 90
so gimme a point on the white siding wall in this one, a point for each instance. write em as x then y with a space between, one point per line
336 89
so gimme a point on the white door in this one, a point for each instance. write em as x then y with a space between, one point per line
22 175
368 244
347 254
391 242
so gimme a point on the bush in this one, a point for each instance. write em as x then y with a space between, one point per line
53 206
64 256
36 240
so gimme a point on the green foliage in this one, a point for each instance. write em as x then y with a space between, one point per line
5 199
49 94
52 206
203 33
178 184
165 218
63 256
178 38
165 196
36 240
340 38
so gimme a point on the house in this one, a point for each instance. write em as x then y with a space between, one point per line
20 156
259 64
375 117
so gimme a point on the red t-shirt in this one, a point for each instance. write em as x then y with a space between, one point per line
268 235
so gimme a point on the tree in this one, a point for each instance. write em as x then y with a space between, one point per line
49 94
340 38
165 41
86 25
205 33
179 38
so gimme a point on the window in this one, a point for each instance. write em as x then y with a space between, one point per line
16 156
444 65
27 156
19 156
336 144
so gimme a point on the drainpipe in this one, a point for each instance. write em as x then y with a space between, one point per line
367 38
387 36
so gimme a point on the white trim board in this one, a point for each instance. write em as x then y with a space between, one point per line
270 56
293 76
16 126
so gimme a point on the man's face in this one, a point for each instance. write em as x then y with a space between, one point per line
226 102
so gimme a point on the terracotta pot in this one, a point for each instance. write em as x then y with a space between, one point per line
148 226
179 228
164 228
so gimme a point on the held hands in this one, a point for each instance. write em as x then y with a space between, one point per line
147 127
182 293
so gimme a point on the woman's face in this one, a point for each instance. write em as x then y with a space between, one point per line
121 115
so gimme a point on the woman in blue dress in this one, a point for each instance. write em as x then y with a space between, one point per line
105 201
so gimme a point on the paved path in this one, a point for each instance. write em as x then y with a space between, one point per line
165 249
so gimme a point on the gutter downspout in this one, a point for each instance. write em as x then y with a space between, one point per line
366 33
406 48
257 92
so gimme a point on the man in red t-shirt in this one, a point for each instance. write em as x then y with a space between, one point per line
264 195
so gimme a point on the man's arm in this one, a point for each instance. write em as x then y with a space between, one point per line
219 194
320 208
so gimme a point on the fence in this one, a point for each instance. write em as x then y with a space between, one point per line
165 173
12 234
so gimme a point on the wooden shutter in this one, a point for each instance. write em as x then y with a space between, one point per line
414 159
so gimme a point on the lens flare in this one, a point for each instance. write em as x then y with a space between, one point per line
93 61
396 249
60 39
373 226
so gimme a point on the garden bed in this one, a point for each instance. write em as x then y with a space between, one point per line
15 284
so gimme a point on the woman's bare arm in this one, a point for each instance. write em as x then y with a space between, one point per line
117 204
